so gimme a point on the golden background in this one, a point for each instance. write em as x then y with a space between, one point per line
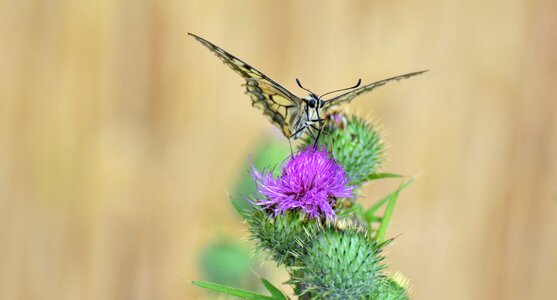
120 135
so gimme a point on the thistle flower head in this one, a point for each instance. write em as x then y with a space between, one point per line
341 264
310 181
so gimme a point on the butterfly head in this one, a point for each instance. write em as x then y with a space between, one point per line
311 106
312 101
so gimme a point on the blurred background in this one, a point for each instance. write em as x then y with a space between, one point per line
121 137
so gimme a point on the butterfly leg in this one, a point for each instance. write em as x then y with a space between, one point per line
318 135
311 128
295 135
290 143
319 130
310 131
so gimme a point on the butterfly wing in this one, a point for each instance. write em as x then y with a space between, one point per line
277 103
349 96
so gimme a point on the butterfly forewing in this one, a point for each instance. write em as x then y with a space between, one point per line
277 103
349 96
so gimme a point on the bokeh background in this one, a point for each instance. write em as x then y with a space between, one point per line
120 137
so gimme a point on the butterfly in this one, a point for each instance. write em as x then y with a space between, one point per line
291 114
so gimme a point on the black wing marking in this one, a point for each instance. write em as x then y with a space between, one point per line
277 103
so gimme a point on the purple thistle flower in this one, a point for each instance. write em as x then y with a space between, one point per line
310 181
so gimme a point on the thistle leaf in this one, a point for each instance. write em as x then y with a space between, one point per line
376 176
276 292
369 215
233 291
391 202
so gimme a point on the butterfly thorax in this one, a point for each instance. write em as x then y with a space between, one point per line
310 115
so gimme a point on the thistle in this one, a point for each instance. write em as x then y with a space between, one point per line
308 221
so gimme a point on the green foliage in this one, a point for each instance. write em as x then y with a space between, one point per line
340 264
276 294
371 216
389 210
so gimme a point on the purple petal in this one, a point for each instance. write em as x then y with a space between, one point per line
310 181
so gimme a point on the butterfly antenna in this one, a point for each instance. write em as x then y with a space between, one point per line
344 89
303 88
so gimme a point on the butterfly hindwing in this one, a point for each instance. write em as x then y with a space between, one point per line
281 106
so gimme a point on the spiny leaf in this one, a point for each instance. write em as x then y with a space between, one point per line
392 198
376 176
233 291
369 214
276 292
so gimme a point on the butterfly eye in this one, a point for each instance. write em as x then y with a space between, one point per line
311 103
